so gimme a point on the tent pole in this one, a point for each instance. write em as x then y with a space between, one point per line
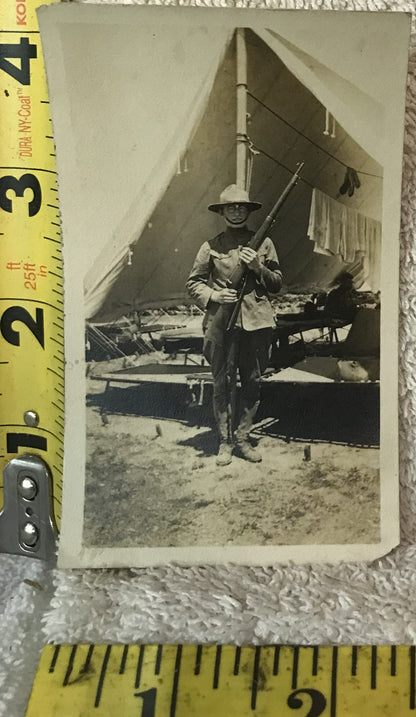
241 138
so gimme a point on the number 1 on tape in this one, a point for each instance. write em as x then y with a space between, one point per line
31 288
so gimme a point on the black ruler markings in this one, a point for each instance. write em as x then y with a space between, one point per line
255 682
158 661
198 660
315 659
54 658
86 666
412 695
217 667
276 660
295 667
56 373
32 301
123 660
393 657
70 665
102 676
32 169
139 666
20 32
354 660
373 682
176 681
237 660
334 677
60 483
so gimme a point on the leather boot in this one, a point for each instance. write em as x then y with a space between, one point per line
225 454
245 450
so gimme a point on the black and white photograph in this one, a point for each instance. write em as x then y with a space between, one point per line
230 191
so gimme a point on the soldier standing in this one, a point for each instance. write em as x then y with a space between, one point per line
246 347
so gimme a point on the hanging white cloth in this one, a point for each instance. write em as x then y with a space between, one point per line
340 231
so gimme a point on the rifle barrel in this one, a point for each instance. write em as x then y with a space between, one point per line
255 243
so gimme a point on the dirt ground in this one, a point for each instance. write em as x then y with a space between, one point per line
153 481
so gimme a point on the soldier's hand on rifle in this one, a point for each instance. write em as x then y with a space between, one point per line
250 257
224 296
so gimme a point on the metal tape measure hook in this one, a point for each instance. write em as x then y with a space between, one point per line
27 526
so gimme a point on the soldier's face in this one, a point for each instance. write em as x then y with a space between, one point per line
235 214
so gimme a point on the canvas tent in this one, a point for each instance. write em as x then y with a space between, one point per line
179 148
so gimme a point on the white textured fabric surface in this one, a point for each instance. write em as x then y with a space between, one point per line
25 591
349 603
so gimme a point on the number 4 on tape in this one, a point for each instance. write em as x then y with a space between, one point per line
24 51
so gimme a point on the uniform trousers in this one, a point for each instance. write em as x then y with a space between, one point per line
245 352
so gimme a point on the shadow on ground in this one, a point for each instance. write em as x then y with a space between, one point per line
343 413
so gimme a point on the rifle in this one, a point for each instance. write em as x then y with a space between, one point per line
239 277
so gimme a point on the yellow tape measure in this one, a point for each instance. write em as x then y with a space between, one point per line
31 293
212 681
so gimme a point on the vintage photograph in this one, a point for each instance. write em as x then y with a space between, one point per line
236 253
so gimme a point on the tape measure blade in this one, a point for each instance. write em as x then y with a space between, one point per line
31 300
188 680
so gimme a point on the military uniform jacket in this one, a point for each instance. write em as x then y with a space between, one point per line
214 265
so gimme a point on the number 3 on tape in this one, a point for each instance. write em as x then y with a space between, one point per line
27 181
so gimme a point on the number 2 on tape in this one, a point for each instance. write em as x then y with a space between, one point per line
18 313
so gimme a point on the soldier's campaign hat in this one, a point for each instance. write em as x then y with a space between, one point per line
234 195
